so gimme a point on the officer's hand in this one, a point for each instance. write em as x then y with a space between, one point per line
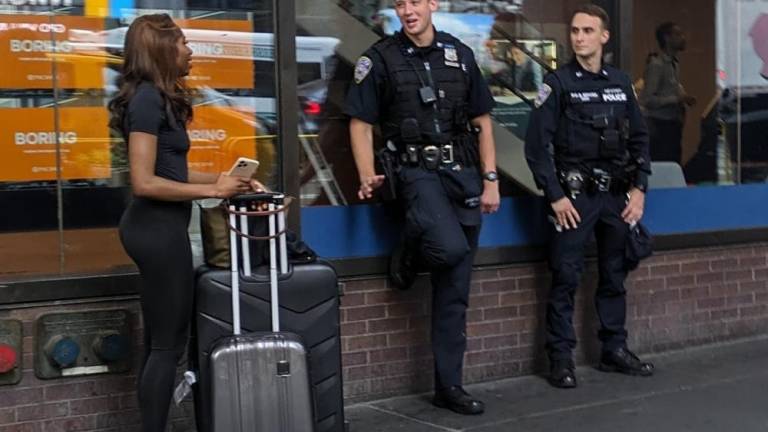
368 184
634 209
566 213
689 100
489 200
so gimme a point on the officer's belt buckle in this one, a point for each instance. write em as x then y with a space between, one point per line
446 153
431 156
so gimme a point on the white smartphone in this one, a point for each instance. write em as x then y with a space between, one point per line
244 167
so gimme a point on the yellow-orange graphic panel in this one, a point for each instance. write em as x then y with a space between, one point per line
30 43
29 139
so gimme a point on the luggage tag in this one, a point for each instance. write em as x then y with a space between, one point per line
184 387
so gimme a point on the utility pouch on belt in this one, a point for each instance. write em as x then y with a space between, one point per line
410 132
573 182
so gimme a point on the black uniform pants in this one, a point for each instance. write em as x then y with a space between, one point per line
447 244
600 213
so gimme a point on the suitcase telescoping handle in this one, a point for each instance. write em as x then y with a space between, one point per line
238 206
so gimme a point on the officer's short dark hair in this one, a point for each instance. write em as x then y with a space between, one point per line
662 31
595 11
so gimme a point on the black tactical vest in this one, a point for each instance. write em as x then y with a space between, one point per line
407 74
593 122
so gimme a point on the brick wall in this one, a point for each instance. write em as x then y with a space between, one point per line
91 403
676 299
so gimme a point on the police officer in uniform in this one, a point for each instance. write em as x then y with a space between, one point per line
587 147
425 91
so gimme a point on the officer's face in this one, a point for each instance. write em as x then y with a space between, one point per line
587 35
415 15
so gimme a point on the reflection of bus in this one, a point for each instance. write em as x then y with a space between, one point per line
224 54
314 55
235 69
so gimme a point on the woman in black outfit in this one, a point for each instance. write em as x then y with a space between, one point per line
152 109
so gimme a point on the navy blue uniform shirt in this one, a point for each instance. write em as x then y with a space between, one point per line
546 117
370 92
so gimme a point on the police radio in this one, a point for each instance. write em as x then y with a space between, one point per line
427 95
410 132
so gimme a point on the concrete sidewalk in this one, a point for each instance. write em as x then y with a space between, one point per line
716 388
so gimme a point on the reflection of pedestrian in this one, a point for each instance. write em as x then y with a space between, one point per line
522 70
520 73
663 97
759 35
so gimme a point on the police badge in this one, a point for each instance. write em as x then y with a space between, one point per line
362 68
451 55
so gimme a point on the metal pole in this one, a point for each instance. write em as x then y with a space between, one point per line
284 24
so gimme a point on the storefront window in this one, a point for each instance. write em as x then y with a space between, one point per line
515 42
724 125
742 80
64 178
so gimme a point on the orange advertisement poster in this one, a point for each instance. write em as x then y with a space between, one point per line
28 138
222 53
30 43
219 135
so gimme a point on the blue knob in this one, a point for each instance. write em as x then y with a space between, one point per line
112 348
64 352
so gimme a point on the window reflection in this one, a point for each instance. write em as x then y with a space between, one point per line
512 51
63 168
723 140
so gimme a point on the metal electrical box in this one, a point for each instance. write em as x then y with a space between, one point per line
10 352
83 343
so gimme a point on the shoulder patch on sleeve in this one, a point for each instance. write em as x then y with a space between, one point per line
544 91
362 68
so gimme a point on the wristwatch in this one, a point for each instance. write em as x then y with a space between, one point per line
491 176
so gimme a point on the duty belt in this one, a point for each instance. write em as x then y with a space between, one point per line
601 180
596 180
430 156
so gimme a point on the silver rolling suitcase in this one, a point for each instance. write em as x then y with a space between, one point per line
259 381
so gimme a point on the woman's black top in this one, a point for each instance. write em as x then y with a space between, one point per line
147 113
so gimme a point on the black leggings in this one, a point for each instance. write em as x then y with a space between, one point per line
154 234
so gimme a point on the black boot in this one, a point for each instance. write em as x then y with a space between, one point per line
562 375
624 361
457 400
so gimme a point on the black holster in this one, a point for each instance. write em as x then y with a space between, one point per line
389 164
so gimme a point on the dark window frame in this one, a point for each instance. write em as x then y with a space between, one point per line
286 72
